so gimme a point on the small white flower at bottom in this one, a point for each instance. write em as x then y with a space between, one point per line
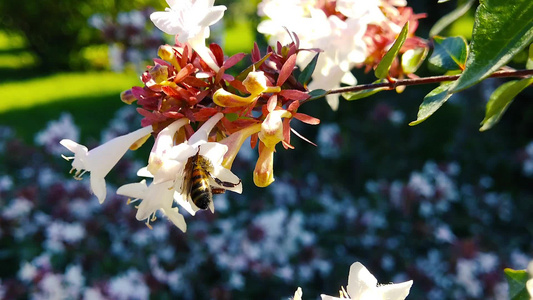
362 285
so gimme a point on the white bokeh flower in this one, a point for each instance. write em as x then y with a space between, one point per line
362 285
189 20
100 160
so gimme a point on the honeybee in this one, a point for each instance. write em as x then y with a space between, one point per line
198 172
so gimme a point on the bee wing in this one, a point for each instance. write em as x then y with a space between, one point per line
185 188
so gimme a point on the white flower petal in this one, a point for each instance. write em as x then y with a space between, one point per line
167 21
103 158
360 280
98 187
215 14
327 297
200 136
214 152
395 291
157 196
168 171
135 190
73 146
143 172
175 217
165 138
188 205
181 152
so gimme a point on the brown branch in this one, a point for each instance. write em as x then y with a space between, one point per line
433 79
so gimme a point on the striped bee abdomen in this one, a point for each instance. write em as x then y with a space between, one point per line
200 192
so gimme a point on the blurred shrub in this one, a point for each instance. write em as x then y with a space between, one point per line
57 31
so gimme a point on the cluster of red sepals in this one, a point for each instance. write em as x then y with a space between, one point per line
180 84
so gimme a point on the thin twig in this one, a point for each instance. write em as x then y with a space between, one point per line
433 79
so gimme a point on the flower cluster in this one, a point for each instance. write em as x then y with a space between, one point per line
200 116
350 33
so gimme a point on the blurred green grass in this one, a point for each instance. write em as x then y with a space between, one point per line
30 99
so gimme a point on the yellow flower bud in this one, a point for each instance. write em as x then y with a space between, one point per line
159 73
166 53
226 99
255 82
264 168
272 128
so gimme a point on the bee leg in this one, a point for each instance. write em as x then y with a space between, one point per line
217 191
226 183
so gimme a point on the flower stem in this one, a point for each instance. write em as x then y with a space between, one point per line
426 80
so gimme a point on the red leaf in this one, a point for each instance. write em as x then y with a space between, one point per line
286 70
184 72
230 62
256 54
205 113
253 140
185 56
173 114
217 53
137 92
306 119
293 106
294 94
227 77
195 82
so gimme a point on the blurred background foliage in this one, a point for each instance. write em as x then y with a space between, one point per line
52 61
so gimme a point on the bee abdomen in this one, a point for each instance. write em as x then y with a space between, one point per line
200 190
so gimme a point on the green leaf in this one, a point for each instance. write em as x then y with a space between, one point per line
350 96
413 58
255 66
382 70
529 63
449 53
450 18
517 284
500 100
231 116
307 72
318 93
501 30
432 102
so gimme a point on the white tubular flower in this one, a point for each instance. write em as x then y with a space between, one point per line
167 162
154 197
362 285
190 21
100 160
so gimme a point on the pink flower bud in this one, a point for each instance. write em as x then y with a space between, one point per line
127 97
159 73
